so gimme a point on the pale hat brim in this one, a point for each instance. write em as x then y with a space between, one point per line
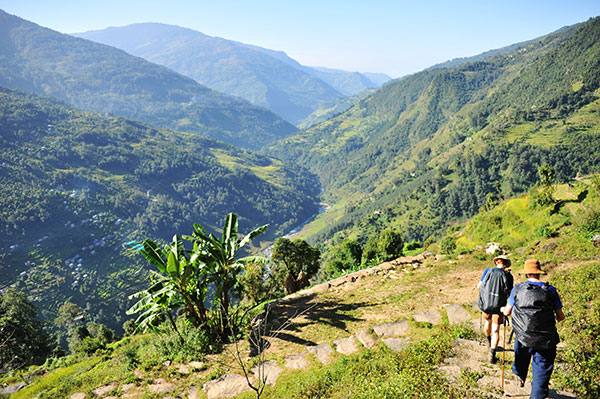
504 258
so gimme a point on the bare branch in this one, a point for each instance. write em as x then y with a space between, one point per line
255 338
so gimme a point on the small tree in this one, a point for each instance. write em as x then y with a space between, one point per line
104 334
546 175
298 263
257 282
222 258
390 244
69 314
448 245
23 340
77 333
370 251
347 257
490 202
542 194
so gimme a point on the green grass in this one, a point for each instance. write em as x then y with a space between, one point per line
378 373
60 383
580 293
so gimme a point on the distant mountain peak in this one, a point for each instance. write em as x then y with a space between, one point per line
100 78
268 78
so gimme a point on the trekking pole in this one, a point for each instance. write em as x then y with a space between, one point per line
504 351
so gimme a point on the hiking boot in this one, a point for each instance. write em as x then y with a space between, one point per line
521 382
493 359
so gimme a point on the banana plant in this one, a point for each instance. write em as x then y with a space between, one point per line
155 304
221 256
182 282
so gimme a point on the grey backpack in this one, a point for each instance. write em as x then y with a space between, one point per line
494 290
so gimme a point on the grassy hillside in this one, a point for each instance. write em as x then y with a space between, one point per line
100 78
333 108
80 190
427 149
390 295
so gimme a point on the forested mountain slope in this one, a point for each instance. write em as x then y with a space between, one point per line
100 78
80 190
223 65
428 148
264 77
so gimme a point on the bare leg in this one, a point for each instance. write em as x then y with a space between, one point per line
495 336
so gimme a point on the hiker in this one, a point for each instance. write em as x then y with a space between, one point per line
535 308
494 287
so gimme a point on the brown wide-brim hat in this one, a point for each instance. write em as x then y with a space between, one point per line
532 266
504 258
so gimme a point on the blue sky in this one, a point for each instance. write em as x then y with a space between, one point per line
395 37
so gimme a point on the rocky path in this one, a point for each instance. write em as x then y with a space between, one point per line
393 335
469 361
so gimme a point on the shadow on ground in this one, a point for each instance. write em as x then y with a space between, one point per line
293 315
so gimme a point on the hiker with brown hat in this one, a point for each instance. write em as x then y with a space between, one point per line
494 287
535 307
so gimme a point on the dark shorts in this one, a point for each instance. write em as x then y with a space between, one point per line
495 318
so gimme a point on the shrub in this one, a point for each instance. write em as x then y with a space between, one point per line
589 223
448 245
541 196
596 183
409 246
132 359
89 345
196 343
543 231
580 331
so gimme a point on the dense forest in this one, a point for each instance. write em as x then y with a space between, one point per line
80 190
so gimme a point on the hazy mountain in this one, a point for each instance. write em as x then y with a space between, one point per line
349 83
346 82
264 77
80 190
223 65
100 78
428 148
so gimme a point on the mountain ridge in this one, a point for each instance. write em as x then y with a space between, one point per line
265 77
409 155
100 78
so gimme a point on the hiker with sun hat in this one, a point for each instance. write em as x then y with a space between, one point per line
494 287
535 307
